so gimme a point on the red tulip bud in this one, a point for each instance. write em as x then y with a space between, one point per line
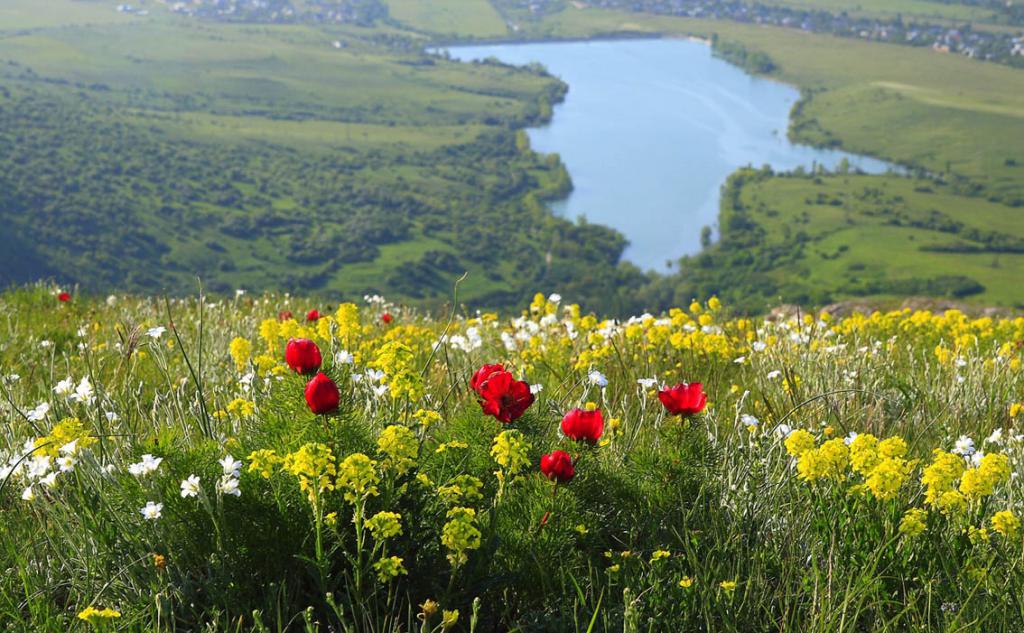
303 356
64 297
557 466
312 315
684 399
586 426
386 318
322 394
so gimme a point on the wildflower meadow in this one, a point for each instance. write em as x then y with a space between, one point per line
271 463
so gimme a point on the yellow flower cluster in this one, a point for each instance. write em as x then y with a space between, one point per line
462 489
979 482
914 522
398 362
1006 523
882 464
92 615
829 461
241 407
510 451
389 567
314 466
265 462
62 434
241 351
357 476
384 525
400 447
940 479
460 535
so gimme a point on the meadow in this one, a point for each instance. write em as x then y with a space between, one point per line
241 464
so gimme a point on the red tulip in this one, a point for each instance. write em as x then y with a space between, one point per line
322 394
586 426
557 466
504 397
684 399
386 318
302 355
482 375
64 297
312 315
284 315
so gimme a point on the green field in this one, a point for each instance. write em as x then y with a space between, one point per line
462 18
909 9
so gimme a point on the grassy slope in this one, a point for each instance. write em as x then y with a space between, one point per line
472 18
909 9
854 237
256 86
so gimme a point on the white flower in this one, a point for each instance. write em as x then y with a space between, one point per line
111 300
849 438
28 494
749 421
65 387
996 437
740 360
50 481
13 378
146 466
343 358
38 466
37 414
70 448
597 378
964 446
190 487
111 416
535 389
775 373
231 466
229 486
152 511
66 463
555 297
783 430
239 292
380 390
976 458
375 375
647 383
156 332
46 344
84 393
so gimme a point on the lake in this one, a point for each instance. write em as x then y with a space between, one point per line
651 129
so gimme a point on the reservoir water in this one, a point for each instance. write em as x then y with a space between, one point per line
651 129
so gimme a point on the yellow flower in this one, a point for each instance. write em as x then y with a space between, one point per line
357 476
241 350
914 522
449 619
659 555
981 481
384 525
887 478
1006 523
460 535
728 586
264 461
829 461
92 615
510 451
388 568
241 407
686 582
941 475
314 466
400 447
799 442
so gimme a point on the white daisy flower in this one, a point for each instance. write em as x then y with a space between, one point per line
597 378
190 487
152 511
229 486
156 332
40 412
231 466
